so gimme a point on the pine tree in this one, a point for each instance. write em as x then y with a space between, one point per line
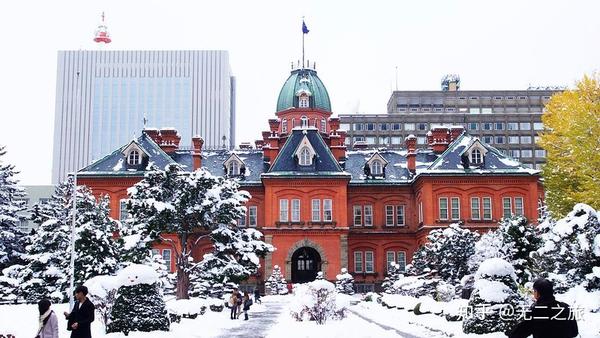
189 206
345 282
571 140
47 260
276 284
11 202
520 239
139 305
495 303
447 252
489 245
571 248
393 275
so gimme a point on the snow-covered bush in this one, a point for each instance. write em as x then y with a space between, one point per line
393 275
495 304
345 282
571 249
139 305
417 286
276 284
103 292
317 301
447 252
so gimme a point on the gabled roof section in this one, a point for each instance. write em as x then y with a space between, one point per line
115 163
397 172
324 163
377 157
494 162
253 161
133 145
233 157
305 143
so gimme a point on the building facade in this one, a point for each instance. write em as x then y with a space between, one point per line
103 98
34 194
510 120
325 208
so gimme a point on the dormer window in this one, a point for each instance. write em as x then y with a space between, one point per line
234 166
303 101
305 157
134 158
476 156
304 121
375 166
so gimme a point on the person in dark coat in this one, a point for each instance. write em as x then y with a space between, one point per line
247 304
82 315
257 295
547 317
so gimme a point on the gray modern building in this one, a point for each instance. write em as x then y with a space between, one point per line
507 119
103 98
34 194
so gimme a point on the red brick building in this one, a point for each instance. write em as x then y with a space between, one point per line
325 208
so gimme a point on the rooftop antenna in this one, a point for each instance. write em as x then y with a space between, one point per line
145 121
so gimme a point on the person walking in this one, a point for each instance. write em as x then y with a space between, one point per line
547 317
233 306
257 296
48 321
247 304
238 305
82 315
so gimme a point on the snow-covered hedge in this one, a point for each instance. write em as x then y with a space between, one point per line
317 301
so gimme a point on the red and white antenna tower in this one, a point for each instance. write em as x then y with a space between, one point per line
101 35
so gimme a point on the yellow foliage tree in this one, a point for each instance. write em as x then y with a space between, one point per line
571 139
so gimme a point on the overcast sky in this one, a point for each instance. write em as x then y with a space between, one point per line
357 46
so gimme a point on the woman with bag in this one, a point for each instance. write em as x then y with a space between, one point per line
48 321
233 306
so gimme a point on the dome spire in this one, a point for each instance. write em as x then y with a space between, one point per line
304 32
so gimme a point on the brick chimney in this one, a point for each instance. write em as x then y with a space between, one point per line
439 138
411 153
169 140
154 134
259 144
337 144
274 126
197 143
334 124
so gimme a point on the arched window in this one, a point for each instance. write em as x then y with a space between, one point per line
133 158
376 168
305 158
323 126
476 156
303 101
234 168
284 126
304 121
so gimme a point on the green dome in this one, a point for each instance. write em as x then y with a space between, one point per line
303 80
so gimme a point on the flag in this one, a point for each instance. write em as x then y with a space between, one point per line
304 28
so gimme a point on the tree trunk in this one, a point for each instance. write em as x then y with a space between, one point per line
183 283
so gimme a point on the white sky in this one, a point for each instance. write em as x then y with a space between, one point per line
356 44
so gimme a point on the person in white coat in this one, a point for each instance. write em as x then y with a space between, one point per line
48 321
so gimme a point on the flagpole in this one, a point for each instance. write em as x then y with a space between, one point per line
303 42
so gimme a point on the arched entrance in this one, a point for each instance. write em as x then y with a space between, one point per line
306 262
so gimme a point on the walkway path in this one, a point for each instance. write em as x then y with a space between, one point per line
383 326
260 321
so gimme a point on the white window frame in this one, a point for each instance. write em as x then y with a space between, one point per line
358 261
304 122
400 215
253 216
327 210
242 221
476 156
284 126
376 167
420 212
369 262
401 262
455 208
368 215
305 159
519 206
487 211
315 210
475 208
443 214
323 126
389 215
284 210
134 157
357 215
123 214
168 253
303 101
234 168
505 208
388 255
295 210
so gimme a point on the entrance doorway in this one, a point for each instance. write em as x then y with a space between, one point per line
306 262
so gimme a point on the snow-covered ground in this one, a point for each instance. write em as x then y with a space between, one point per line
272 319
